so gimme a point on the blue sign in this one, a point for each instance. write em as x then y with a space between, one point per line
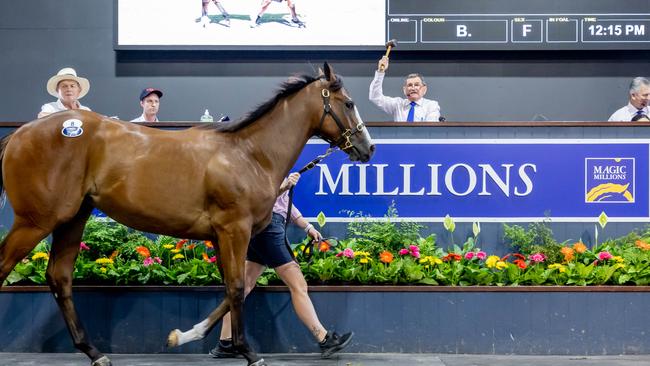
567 180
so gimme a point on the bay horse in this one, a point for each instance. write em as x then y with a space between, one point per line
213 182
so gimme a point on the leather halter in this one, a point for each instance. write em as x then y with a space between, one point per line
343 141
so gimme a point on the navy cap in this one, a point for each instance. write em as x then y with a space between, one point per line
145 93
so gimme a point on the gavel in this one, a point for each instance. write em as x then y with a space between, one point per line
389 46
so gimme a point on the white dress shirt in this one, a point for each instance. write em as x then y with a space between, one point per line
426 110
626 113
142 119
59 107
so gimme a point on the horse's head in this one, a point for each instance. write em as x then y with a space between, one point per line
340 122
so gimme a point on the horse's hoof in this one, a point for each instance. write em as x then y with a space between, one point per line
102 361
172 339
259 362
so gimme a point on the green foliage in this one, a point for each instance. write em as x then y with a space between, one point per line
377 253
104 237
376 236
538 238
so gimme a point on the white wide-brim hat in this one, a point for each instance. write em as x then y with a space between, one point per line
67 73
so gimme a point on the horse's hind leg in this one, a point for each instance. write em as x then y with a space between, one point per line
65 247
20 240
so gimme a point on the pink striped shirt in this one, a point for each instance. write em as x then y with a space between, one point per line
281 205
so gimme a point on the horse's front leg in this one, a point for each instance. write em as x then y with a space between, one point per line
65 247
233 244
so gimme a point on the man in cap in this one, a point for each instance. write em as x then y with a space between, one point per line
150 103
68 88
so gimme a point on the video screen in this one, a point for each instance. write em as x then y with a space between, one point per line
250 24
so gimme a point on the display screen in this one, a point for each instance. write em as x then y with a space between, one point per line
368 24
234 24
519 24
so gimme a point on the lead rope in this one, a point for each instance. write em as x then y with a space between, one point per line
307 167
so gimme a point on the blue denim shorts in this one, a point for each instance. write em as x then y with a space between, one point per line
268 248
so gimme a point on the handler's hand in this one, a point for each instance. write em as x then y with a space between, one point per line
383 62
289 181
314 234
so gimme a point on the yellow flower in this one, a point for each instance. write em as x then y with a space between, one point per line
491 261
103 269
557 266
501 265
175 250
619 265
363 260
168 246
360 253
178 256
40 255
618 259
295 254
429 259
104 261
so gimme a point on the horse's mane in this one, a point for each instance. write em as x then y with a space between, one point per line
293 85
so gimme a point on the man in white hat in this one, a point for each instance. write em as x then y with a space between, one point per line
68 88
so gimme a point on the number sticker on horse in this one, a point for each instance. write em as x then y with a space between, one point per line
72 128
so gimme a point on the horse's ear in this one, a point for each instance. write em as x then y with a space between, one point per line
320 72
328 71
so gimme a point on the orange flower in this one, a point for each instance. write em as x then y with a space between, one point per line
205 257
180 243
579 247
386 257
143 251
114 254
520 263
208 244
324 246
568 253
191 246
642 245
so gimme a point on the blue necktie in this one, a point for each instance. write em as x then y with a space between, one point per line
411 115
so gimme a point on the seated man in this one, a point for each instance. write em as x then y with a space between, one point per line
413 109
639 94
150 103
68 88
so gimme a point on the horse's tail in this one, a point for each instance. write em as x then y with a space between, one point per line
3 145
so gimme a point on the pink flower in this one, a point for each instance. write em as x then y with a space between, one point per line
603 256
348 253
414 248
213 259
403 251
83 246
339 254
147 261
158 260
481 255
537 257
415 254
469 256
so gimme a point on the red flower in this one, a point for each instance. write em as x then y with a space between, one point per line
180 243
452 256
520 263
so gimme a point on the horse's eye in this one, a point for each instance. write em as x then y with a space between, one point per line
349 104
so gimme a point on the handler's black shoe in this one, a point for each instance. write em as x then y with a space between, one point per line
224 349
334 343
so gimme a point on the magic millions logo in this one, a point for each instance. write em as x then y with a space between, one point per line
609 180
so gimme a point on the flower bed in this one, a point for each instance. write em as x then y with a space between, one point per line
375 253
